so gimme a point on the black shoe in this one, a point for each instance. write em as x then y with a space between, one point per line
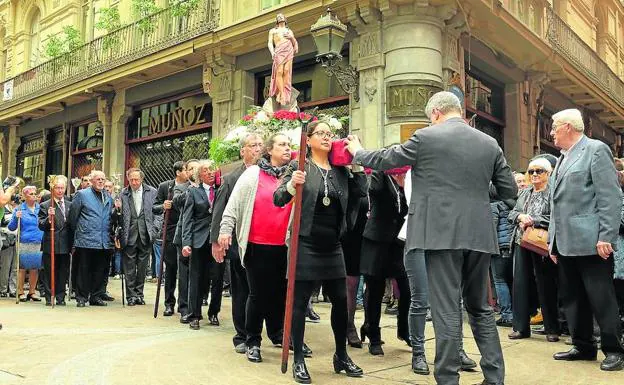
353 339
61 302
107 297
419 365
12 295
214 320
140 301
300 373
33 297
194 324
575 355
4 295
185 319
307 352
80 304
517 335
375 349
539 331
503 322
348 366
613 362
312 316
168 311
131 301
253 354
466 362
552 338
97 302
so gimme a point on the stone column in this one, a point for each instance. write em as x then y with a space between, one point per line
13 144
219 83
114 114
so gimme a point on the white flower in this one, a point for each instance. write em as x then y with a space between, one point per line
335 124
261 117
236 134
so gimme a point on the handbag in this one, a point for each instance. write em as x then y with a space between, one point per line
535 240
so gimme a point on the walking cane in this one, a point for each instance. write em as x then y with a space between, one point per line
294 244
17 258
163 251
53 285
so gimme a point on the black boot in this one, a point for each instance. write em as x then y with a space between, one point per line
419 364
374 346
300 373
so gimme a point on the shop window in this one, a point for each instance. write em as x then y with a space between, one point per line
35 40
55 152
266 4
485 105
87 141
30 160
88 136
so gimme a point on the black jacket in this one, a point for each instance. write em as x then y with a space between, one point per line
166 190
197 218
223 196
349 185
63 234
386 218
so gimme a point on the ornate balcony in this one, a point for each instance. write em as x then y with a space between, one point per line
144 37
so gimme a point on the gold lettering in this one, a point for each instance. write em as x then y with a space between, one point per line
166 121
177 118
200 115
154 125
189 117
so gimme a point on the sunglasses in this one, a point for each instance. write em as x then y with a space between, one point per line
536 171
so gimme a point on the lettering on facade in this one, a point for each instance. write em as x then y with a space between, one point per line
368 45
408 98
33 145
178 119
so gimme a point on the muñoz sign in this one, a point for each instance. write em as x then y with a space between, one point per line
178 119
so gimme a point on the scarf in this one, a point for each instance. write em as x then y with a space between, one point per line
266 166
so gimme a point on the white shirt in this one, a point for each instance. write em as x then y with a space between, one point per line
568 151
137 197
407 188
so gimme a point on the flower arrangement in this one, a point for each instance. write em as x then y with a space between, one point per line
265 124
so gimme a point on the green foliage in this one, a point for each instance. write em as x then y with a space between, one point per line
183 7
223 152
109 21
141 10
63 43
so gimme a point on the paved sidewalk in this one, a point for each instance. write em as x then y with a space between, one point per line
115 346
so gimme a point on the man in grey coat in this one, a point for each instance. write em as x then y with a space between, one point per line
584 223
137 234
450 219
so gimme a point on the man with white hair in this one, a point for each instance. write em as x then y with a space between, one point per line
450 219
584 223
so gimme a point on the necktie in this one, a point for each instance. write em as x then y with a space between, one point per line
62 207
211 195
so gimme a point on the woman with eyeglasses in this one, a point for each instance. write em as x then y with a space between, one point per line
30 242
533 210
327 191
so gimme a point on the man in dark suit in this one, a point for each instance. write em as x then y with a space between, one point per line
196 243
63 240
449 217
584 222
250 149
163 202
137 233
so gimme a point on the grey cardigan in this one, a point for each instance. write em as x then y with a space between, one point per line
239 209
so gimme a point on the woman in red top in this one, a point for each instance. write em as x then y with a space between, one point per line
261 233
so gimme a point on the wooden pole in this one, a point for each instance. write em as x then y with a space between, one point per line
163 251
17 258
294 245
52 230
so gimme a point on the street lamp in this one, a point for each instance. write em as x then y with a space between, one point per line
329 34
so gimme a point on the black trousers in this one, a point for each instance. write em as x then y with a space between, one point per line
135 259
92 273
239 289
375 288
214 283
75 266
619 294
198 267
587 289
183 282
170 256
61 274
266 274
336 289
532 269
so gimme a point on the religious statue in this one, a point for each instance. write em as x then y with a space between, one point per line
283 47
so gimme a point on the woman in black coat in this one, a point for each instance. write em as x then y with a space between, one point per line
326 193
382 255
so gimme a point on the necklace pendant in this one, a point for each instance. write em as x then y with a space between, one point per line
326 201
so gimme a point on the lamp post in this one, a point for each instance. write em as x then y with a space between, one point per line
329 34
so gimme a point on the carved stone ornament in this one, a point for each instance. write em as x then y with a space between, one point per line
408 98
370 85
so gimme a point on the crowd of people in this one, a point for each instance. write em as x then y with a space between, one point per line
436 223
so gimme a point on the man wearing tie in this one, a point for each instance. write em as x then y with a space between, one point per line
58 206
196 244
137 235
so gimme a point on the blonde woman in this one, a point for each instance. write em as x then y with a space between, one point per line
30 242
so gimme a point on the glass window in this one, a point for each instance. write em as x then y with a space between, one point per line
35 39
88 135
266 4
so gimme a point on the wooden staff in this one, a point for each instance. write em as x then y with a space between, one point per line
52 280
17 258
163 251
294 244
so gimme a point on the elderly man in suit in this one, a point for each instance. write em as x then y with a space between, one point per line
449 217
584 223
58 206
196 243
137 233
250 149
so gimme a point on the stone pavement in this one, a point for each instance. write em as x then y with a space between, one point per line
114 346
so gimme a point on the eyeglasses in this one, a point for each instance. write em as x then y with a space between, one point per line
324 134
536 171
555 126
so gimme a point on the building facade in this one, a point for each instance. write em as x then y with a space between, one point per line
147 89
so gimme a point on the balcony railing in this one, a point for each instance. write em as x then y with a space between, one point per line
546 24
154 33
